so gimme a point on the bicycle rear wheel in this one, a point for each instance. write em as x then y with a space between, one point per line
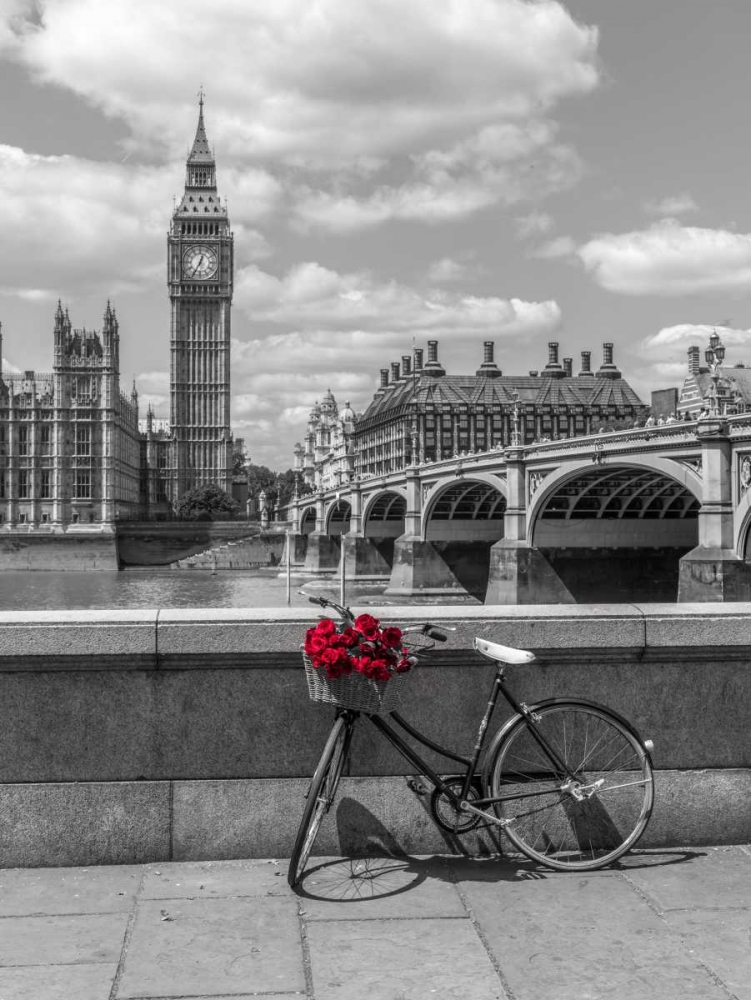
579 823
323 786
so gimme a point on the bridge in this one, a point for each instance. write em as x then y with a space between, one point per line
656 513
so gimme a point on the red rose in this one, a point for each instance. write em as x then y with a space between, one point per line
361 663
326 627
350 637
406 663
391 637
367 626
314 642
329 656
378 670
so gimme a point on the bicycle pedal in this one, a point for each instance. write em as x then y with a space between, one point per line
416 786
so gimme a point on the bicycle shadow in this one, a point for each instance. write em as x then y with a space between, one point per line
375 864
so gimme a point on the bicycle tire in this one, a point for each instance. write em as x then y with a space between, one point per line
601 815
321 793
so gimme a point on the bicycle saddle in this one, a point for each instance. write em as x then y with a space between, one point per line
505 654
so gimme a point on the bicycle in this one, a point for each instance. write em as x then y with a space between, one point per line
568 781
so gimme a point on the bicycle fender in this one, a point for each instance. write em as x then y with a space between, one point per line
491 752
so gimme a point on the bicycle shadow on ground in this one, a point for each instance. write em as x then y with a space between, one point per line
375 864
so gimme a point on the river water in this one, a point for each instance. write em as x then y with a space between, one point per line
148 588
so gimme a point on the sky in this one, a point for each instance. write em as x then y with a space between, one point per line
395 171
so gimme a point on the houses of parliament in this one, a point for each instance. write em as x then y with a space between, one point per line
73 449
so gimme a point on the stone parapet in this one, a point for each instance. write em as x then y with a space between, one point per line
145 735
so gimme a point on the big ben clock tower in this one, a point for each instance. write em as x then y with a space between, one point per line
199 275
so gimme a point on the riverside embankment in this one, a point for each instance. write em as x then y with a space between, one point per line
135 736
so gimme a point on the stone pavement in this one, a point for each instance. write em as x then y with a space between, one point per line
669 924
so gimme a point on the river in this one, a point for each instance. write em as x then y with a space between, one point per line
147 588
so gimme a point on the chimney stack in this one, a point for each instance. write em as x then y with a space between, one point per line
694 360
394 371
568 367
406 365
418 359
607 369
553 369
586 369
384 379
433 367
488 368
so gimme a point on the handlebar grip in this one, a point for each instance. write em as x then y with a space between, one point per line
435 634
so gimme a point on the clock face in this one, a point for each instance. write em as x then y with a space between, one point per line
199 263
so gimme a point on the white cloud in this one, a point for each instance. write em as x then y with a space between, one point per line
501 164
76 224
561 246
325 83
672 206
315 297
669 259
534 224
686 334
448 270
7 366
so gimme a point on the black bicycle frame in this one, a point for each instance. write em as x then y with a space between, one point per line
470 763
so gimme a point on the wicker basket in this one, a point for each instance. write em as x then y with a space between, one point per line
353 690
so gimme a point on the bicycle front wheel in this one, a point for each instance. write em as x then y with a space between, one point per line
587 815
323 786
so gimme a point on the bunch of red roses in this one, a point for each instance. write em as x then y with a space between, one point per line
363 647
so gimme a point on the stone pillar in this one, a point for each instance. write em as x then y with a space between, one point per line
419 568
322 555
520 573
713 571
355 502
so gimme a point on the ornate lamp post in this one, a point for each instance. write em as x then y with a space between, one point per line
714 356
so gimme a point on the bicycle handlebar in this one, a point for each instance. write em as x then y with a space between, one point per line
428 629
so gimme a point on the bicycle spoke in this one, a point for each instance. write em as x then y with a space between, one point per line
597 811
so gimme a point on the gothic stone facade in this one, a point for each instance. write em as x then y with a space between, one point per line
69 442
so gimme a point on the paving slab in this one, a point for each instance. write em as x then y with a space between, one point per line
708 877
200 947
584 938
57 982
401 960
49 940
28 891
721 942
209 879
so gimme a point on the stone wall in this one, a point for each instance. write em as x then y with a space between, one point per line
74 549
158 543
132 736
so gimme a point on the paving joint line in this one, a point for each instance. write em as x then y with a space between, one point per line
505 985
307 965
126 940
662 916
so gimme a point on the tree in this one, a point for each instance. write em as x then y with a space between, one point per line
203 502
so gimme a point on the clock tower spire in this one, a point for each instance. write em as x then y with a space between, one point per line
199 277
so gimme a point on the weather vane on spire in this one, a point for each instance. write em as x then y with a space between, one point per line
201 93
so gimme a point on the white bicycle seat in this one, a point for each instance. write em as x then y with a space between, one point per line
504 654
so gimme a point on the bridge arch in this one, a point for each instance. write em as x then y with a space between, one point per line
743 527
337 518
469 508
308 520
383 514
617 530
